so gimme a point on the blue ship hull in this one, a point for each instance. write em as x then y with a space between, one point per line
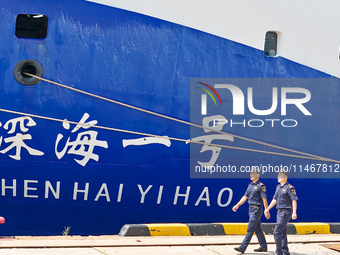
148 63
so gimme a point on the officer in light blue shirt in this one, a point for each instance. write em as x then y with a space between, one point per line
256 196
285 199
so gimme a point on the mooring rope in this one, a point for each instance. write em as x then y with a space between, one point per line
162 137
309 156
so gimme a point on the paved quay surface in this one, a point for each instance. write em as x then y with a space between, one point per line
202 245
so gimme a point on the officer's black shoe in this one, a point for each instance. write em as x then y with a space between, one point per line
261 249
240 249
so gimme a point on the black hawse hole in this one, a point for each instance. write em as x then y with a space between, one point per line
25 67
28 69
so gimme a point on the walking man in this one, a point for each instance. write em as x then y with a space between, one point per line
257 196
286 200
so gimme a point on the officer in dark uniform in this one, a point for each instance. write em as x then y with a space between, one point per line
257 196
286 199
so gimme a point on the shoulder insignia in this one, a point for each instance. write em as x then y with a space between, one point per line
263 187
293 189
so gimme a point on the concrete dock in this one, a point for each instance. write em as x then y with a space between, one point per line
192 245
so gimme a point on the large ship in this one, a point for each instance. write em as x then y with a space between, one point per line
119 112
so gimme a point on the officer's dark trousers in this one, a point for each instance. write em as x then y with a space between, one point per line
254 226
280 232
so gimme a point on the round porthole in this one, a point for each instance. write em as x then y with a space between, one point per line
28 66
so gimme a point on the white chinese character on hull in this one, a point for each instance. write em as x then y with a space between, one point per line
17 141
84 143
218 122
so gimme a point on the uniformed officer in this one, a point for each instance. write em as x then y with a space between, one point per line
257 196
286 200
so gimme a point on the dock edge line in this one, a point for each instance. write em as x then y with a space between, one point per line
218 229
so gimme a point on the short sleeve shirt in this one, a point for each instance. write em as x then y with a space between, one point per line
255 192
284 195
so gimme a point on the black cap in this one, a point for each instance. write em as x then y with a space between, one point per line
283 171
255 169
